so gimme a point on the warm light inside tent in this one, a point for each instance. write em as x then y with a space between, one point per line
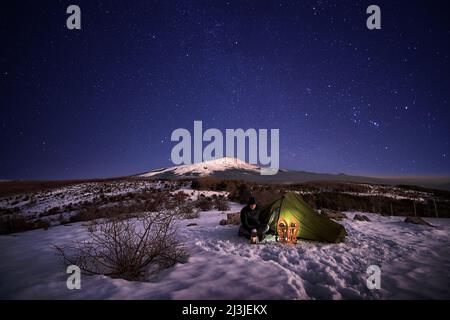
287 230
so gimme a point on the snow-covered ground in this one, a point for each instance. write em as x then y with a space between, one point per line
35 203
414 262
59 204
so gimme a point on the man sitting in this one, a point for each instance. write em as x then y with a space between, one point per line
250 221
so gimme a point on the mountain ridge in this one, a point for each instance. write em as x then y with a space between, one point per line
228 168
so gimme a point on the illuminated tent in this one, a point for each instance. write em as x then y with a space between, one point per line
291 209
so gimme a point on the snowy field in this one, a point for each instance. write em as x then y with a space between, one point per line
414 262
34 204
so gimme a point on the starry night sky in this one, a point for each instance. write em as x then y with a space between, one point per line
103 101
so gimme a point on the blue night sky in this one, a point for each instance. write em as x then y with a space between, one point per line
103 101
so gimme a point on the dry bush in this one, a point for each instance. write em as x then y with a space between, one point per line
241 194
188 211
179 198
174 201
204 203
221 204
127 248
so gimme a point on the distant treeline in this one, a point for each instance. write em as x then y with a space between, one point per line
341 196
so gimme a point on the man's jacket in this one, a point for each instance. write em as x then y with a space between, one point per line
249 217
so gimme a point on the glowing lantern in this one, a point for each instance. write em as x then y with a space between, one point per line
254 237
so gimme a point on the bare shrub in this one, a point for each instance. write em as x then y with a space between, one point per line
241 194
127 248
221 204
191 215
204 203
188 211
179 198
174 201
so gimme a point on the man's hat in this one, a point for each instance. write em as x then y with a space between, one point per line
251 201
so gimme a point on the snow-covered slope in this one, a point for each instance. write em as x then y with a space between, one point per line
205 168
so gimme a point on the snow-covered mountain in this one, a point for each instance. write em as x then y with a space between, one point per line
202 169
235 169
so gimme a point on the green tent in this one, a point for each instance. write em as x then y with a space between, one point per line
312 226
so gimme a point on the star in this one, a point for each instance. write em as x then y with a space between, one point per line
309 70
374 123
